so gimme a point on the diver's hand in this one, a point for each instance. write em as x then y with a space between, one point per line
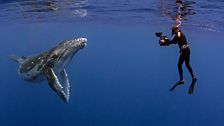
162 41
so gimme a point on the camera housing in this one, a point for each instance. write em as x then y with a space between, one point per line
163 40
158 34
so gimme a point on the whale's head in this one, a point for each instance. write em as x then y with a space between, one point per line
74 44
61 55
78 43
70 47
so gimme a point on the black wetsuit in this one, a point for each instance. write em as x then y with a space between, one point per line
184 53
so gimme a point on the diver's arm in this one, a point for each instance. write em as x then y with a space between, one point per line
164 41
174 40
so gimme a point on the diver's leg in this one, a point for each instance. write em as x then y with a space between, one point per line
194 79
180 70
187 63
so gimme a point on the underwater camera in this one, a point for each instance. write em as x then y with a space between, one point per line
163 40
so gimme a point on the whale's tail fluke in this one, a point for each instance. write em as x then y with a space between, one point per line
16 58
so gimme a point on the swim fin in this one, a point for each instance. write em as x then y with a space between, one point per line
191 88
178 83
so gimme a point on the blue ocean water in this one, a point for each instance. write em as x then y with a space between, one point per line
123 76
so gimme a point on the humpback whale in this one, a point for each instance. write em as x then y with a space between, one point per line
50 65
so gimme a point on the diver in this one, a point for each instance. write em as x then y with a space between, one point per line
180 39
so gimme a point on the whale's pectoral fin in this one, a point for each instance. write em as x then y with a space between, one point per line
54 83
66 84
